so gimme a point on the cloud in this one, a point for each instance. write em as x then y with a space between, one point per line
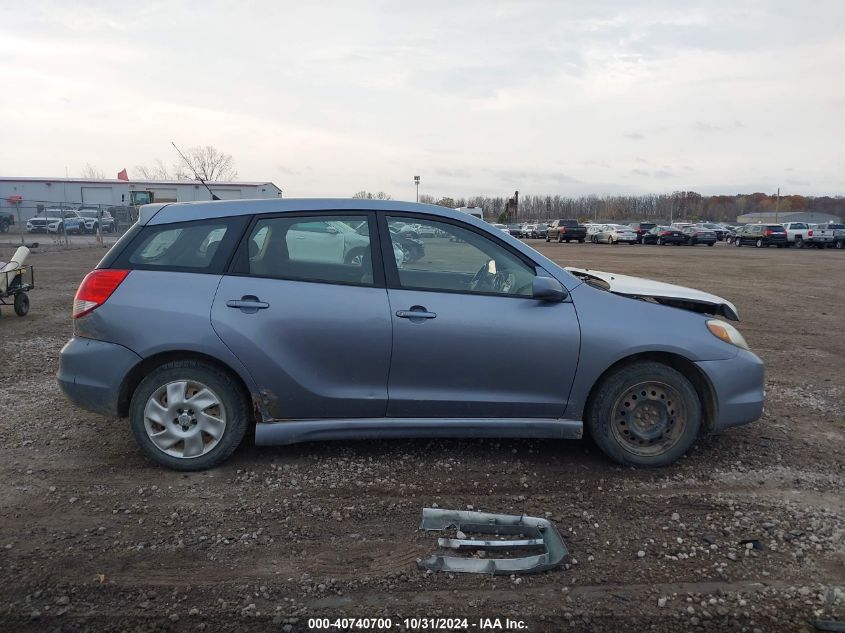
634 136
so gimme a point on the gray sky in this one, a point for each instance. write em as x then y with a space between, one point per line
326 98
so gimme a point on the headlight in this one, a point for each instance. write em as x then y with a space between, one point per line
726 332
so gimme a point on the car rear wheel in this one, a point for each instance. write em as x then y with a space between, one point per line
188 415
759 243
560 239
646 414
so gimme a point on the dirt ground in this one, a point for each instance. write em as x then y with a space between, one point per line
94 537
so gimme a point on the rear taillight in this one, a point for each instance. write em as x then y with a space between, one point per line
666 233
563 228
810 233
95 289
768 233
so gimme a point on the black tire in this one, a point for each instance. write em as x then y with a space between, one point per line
567 241
661 241
799 242
559 238
737 242
581 241
21 304
4 226
839 244
711 243
759 242
548 239
670 405
233 401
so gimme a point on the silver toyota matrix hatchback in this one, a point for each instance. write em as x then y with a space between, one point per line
346 319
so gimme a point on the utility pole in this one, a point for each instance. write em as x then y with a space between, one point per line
777 207
417 183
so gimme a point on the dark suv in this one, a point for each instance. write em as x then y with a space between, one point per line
566 231
761 235
641 228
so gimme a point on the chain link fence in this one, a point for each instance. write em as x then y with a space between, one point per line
63 224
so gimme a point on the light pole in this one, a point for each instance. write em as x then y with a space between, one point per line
417 183
777 207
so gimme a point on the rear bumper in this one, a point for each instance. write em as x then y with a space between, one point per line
91 373
738 384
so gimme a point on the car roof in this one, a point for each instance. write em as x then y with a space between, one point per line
187 211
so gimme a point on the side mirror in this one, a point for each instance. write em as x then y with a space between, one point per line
548 289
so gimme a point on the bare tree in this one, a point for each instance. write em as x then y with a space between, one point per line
366 195
211 164
95 173
206 163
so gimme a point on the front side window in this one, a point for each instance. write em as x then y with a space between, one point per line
456 259
322 248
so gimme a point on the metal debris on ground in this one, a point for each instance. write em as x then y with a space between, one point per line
540 533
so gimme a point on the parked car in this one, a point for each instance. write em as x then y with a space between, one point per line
515 229
69 222
210 318
614 234
95 219
820 235
39 223
718 229
7 219
696 234
504 227
533 231
662 235
732 232
838 233
641 228
566 231
761 235
796 233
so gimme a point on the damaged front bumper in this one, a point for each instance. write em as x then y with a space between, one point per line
541 533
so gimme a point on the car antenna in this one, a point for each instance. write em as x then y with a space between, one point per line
196 175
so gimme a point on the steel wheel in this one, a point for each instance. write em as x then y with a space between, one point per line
184 419
649 418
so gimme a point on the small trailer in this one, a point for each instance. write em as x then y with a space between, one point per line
16 280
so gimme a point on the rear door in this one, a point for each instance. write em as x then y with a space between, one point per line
311 323
468 338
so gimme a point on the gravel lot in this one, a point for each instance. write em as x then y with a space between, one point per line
94 537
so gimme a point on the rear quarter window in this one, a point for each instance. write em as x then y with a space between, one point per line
200 246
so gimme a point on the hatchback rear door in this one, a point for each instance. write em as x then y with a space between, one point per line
305 309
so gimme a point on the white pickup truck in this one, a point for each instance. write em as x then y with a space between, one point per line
801 234
796 233
836 231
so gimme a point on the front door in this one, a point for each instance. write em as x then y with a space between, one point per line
468 338
307 313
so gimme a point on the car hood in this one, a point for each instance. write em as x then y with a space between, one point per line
660 292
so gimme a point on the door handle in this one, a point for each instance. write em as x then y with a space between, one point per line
248 303
417 312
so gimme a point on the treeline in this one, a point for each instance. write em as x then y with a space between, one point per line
678 206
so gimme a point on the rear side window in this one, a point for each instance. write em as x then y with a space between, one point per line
777 228
329 249
201 246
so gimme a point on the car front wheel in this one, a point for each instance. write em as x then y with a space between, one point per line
645 414
188 415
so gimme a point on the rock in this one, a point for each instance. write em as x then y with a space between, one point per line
661 602
63 600
641 554
676 516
